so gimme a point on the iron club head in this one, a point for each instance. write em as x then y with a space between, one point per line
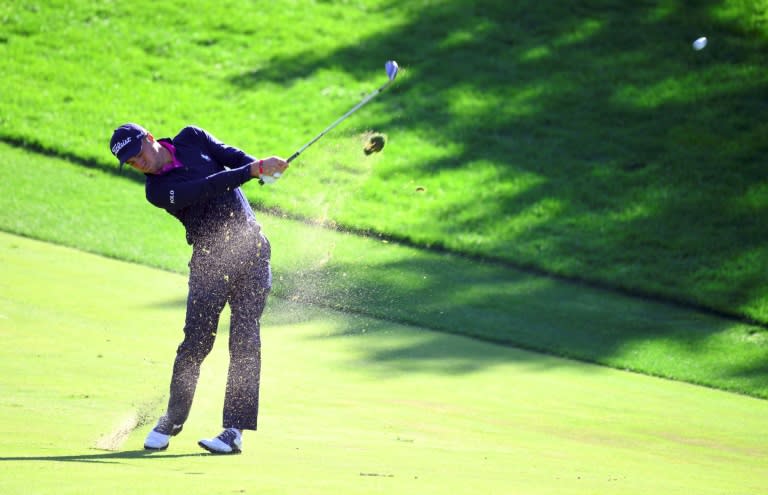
392 68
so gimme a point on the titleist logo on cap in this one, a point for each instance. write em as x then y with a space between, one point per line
120 145
126 141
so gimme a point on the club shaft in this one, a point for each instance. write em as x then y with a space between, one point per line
338 121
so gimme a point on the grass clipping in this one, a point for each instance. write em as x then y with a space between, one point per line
374 144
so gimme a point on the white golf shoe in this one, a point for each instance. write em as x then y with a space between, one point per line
160 436
229 441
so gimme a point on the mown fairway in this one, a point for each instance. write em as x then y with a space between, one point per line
351 404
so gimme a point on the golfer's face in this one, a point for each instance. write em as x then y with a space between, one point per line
148 159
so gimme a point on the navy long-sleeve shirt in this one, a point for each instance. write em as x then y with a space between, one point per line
204 193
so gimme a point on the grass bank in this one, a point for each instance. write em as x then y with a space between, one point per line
101 212
586 141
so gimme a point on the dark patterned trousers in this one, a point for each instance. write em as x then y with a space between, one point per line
235 271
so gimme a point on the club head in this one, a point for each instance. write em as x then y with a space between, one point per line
392 68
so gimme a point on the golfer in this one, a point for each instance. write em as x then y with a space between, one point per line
196 178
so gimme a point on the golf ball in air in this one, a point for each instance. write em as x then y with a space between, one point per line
700 43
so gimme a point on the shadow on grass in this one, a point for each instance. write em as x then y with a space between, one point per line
504 306
35 147
617 170
637 161
104 457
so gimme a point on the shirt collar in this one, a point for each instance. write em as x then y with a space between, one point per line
175 163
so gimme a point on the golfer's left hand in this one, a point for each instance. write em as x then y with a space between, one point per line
269 169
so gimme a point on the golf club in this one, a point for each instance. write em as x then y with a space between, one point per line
391 68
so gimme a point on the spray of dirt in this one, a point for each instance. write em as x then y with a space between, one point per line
143 415
319 278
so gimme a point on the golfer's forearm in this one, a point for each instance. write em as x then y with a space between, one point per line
183 194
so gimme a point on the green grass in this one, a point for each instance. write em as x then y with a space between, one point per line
107 214
350 404
589 142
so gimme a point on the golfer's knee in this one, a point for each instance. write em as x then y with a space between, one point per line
249 348
195 348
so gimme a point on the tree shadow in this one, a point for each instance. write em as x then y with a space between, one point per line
497 304
527 65
523 66
35 146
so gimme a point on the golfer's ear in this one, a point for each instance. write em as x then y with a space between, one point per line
150 137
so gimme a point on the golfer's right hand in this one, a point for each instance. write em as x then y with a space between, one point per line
268 169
